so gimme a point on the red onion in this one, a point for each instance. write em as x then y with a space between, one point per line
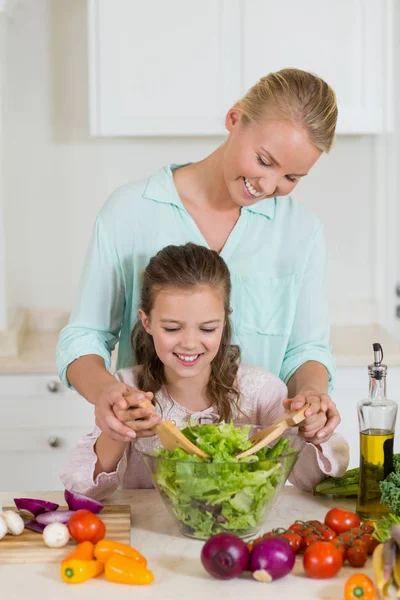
34 505
34 526
56 516
271 558
225 556
77 501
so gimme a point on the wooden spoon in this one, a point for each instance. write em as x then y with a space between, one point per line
171 437
265 436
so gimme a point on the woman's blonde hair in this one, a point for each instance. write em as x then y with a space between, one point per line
301 97
186 267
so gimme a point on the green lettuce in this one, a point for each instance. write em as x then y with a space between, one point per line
221 493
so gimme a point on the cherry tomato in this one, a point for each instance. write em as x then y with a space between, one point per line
322 560
317 524
340 546
341 520
327 533
294 539
85 526
370 541
310 539
357 556
368 526
296 527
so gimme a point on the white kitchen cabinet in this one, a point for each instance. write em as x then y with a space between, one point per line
345 42
351 387
174 68
162 68
40 423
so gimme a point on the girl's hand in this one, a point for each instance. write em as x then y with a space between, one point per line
138 413
322 417
106 420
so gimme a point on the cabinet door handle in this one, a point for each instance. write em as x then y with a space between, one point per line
54 441
53 386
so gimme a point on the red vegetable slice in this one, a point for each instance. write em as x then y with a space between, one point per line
78 501
56 516
34 526
34 505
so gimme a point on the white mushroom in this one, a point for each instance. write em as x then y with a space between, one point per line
14 521
3 527
56 535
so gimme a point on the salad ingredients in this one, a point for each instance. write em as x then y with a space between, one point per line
34 505
322 560
359 586
77 571
3 528
390 487
345 486
83 551
225 556
85 526
77 501
56 535
382 577
107 548
55 516
271 558
121 569
224 493
14 521
341 520
33 525
383 527
357 556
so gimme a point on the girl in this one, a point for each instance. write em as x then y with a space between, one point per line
186 363
236 202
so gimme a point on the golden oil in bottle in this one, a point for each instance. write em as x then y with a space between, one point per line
377 420
376 462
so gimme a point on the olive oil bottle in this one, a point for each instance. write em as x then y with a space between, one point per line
377 420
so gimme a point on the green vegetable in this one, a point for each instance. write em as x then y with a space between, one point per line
390 488
221 493
383 525
347 485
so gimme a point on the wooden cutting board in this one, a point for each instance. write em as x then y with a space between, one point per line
29 547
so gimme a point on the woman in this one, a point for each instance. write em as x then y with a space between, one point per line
236 202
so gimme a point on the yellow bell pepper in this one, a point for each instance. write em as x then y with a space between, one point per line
83 551
121 569
107 548
77 570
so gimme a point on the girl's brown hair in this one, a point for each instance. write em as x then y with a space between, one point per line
302 97
185 267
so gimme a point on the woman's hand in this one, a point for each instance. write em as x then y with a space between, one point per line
115 394
137 411
322 417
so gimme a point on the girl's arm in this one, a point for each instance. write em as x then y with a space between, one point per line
109 453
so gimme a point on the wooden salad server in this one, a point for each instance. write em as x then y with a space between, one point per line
171 436
265 436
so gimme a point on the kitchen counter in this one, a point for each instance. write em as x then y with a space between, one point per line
351 348
175 560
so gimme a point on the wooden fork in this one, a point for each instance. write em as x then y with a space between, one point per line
171 437
265 436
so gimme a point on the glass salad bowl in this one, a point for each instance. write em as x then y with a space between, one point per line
220 494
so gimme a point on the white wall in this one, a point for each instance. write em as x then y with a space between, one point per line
57 177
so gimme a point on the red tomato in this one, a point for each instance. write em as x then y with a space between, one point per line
85 526
322 560
317 524
296 528
327 533
341 520
310 539
370 542
340 546
357 556
368 526
294 539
